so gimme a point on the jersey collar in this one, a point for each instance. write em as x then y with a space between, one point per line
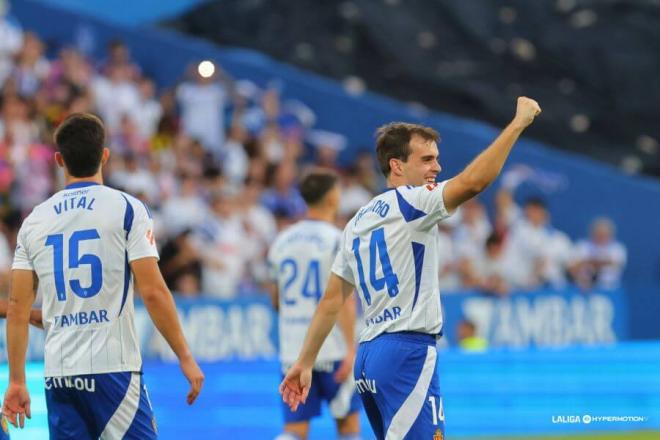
81 184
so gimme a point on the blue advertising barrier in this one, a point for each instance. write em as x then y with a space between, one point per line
246 329
540 319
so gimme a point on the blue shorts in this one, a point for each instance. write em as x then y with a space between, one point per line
110 405
341 397
396 377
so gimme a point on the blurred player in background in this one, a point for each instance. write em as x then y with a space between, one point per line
81 249
389 250
301 257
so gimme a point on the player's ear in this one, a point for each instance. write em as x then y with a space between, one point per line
395 167
59 160
105 156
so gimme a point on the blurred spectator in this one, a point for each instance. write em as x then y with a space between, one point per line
116 96
327 146
203 101
494 271
450 281
235 161
541 251
599 261
11 41
120 56
135 179
31 66
260 228
186 210
181 265
353 195
149 110
221 241
282 197
472 231
468 339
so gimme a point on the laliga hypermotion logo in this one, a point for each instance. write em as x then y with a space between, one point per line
437 435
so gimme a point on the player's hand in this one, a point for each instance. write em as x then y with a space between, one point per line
194 375
36 318
295 386
526 111
16 404
346 367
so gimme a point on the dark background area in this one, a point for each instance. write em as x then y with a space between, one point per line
593 65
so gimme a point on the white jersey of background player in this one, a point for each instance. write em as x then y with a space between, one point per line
300 259
381 255
81 249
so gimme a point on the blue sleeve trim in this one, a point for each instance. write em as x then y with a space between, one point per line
127 283
129 214
408 211
418 254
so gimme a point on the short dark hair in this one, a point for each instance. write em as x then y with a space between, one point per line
80 139
393 142
315 184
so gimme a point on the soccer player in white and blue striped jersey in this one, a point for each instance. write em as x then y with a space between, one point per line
82 249
300 258
389 253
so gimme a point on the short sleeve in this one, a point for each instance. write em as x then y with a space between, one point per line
141 242
341 266
21 255
422 206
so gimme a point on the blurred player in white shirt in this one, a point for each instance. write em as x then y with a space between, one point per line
389 252
300 258
599 261
81 250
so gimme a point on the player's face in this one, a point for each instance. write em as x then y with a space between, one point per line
422 165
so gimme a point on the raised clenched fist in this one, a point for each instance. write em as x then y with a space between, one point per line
526 110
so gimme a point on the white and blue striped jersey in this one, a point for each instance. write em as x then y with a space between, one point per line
389 253
300 259
79 243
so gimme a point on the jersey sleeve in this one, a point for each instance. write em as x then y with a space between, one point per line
422 206
21 255
341 266
141 242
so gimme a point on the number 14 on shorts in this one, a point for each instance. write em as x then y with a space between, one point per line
437 410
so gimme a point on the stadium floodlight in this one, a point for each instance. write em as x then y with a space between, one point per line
206 69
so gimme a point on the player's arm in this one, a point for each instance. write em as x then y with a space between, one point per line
35 314
485 168
162 310
295 386
21 297
324 318
346 323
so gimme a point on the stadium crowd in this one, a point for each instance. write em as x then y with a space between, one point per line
217 161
